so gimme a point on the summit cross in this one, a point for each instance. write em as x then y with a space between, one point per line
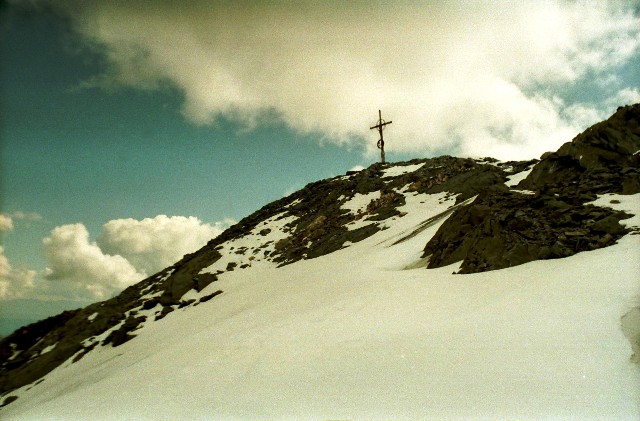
380 126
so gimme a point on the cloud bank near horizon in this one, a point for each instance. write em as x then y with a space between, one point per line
126 251
472 78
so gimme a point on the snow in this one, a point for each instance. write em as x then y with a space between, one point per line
294 203
401 170
357 224
358 203
48 348
251 249
514 179
92 316
151 295
367 333
627 203
529 192
489 161
14 355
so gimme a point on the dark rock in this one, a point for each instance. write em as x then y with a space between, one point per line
8 400
123 334
202 280
181 280
210 296
385 207
631 184
151 303
185 303
595 159
83 352
610 225
165 310
504 229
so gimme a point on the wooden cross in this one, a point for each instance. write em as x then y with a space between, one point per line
379 126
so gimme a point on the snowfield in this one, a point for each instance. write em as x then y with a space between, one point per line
367 333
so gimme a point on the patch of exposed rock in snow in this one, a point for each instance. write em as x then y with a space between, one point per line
358 203
254 248
489 161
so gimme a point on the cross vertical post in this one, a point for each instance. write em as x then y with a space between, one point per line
380 125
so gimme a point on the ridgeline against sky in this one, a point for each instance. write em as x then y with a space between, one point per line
438 288
179 117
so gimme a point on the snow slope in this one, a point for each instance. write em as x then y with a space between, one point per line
367 333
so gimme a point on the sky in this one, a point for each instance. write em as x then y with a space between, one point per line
131 132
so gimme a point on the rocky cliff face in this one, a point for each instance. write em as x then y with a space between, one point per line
553 218
604 158
491 226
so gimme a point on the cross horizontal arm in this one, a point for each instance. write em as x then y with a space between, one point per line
377 126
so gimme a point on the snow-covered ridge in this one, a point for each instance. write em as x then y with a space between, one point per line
319 305
366 333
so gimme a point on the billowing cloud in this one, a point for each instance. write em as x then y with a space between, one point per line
155 243
127 251
14 282
6 223
476 78
79 265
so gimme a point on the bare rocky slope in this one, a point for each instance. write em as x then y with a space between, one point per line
491 226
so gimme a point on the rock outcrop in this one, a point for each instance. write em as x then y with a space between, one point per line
552 220
604 158
503 229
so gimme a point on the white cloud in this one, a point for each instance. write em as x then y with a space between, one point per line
626 96
126 252
155 243
29 216
473 77
14 282
6 223
80 267
7 220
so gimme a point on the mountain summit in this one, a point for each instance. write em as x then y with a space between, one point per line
441 287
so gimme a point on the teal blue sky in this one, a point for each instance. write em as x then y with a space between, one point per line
72 154
75 154
125 111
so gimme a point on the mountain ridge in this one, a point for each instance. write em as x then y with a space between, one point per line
488 226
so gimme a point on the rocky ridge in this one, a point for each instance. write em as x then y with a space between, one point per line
553 218
547 215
